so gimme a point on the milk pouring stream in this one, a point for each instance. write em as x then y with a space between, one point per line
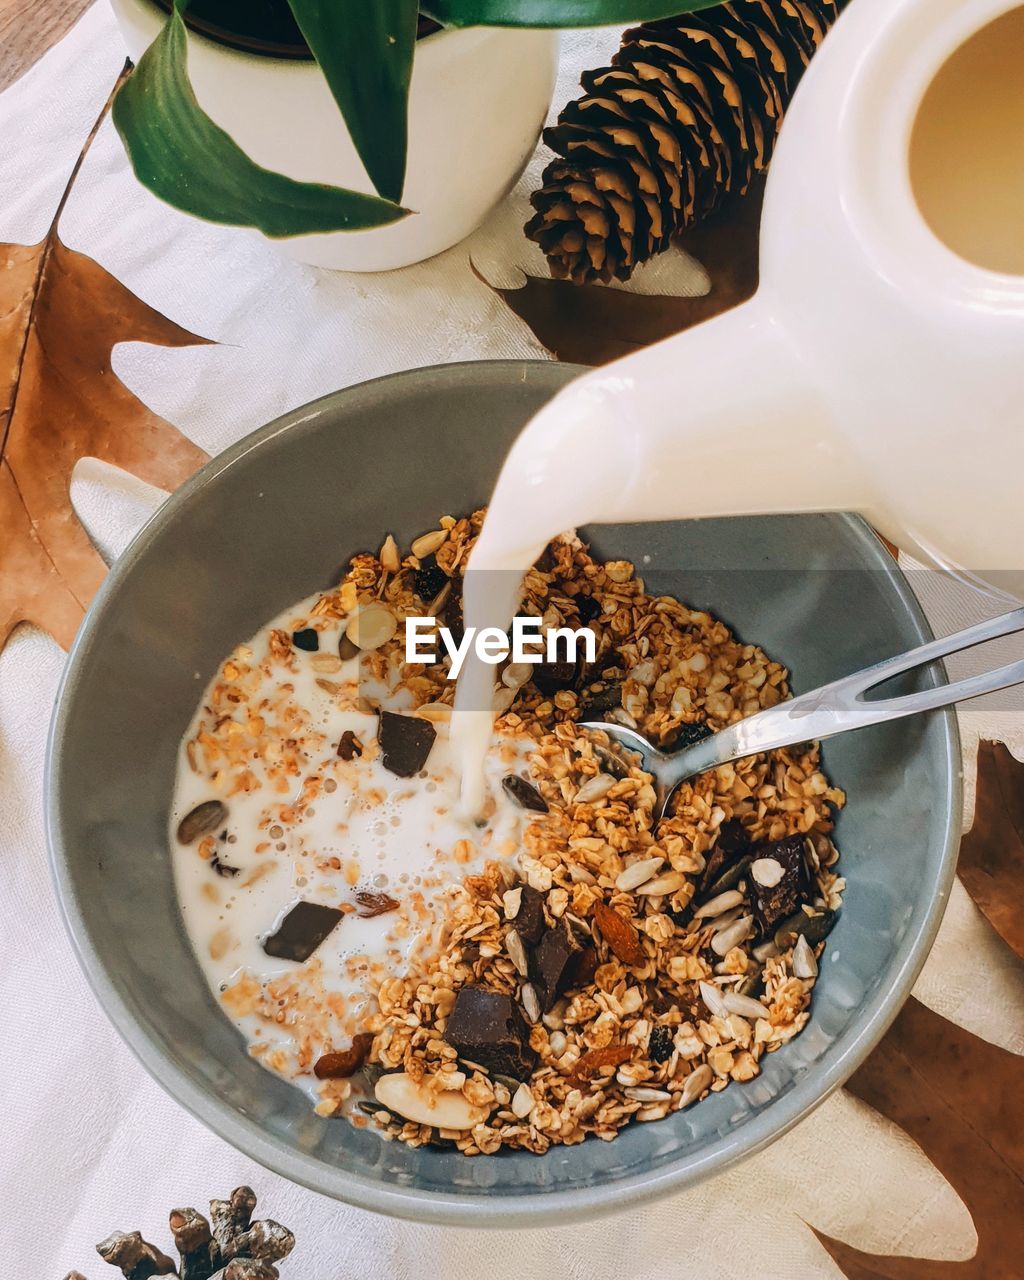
880 366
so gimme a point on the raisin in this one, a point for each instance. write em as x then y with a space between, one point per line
308 639
660 1047
429 578
588 608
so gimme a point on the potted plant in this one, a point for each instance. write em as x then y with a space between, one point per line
424 145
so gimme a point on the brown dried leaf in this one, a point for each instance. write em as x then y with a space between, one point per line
595 1060
959 1097
592 324
992 854
622 935
61 315
962 1100
346 1062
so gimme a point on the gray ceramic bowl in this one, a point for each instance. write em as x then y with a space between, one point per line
270 521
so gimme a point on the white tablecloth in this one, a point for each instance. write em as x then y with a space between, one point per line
87 1142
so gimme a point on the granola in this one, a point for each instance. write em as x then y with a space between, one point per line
604 968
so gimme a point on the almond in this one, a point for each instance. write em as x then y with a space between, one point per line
444 1110
621 934
612 1055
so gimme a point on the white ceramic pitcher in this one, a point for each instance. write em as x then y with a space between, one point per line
880 366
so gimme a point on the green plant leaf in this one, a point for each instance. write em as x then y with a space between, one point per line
181 155
365 49
555 13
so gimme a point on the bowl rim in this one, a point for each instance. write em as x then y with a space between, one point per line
453 1208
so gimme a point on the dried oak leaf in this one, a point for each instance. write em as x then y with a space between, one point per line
992 854
959 1097
592 323
61 315
621 935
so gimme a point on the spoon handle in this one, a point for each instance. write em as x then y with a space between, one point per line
839 706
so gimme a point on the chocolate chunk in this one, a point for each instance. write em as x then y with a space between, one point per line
581 969
552 957
732 841
529 920
201 820
375 904
428 579
550 677
774 903
405 743
349 747
597 704
301 931
308 639
524 793
660 1047
487 1027
588 608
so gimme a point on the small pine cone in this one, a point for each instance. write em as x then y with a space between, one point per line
687 114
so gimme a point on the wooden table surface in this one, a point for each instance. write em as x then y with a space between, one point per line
28 28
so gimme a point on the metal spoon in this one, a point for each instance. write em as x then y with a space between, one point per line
824 712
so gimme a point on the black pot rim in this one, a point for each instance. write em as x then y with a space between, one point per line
293 52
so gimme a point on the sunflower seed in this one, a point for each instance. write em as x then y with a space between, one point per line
696 1082
326 663
723 902
715 1001
804 963
388 555
428 543
744 1006
637 873
667 883
726 939
516 675
557 1043
512 900
516 952
523 1102
643 1094
595 788
530 1002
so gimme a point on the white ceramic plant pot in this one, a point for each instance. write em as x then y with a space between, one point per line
477 103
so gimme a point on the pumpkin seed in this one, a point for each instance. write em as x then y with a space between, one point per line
814 928
346 649
730 877
752 983
203 819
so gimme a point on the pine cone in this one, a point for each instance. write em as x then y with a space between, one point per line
687 114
